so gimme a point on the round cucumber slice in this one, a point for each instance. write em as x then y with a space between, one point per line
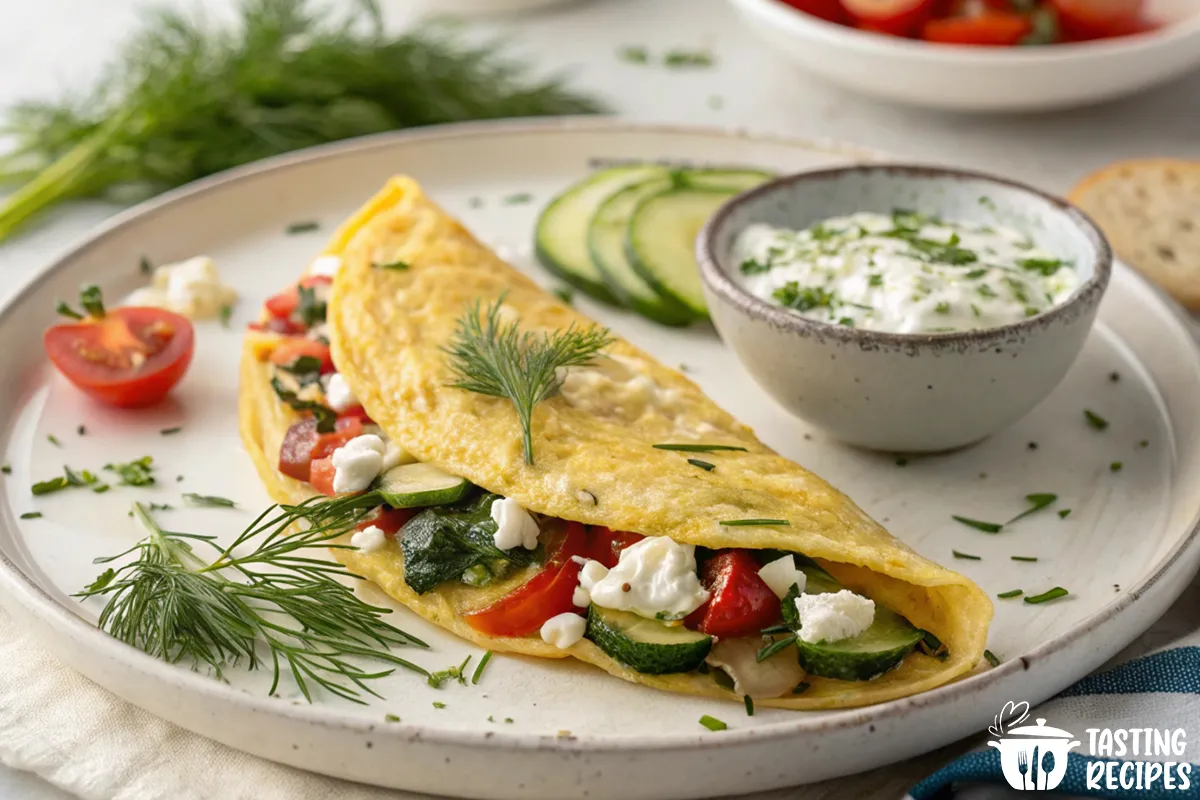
661 241
419 485
646 645
560 238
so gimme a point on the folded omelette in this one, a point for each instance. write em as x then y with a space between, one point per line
653 535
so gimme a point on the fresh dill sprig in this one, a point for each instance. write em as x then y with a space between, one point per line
497 359
187 97
179 607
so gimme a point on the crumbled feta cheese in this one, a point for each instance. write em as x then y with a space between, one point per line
338 393
514 525
318 332
369 539
655 578
590 573
326 266
833 616
781 574
394 455
563 630
357 463
192 288
585 497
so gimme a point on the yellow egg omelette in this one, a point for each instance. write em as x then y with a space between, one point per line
743 551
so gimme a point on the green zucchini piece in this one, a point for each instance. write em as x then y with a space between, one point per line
560 238
419 485
646 645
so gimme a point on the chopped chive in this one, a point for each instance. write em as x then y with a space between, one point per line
101 488
712 723
438 704
483 662
698 448
397 265
1095 420
1024 558
1144 443
774 647
1032 445
566 294
390 718
1115 466
986 527
32 515
64 310
749 705
931 645
207 501
1036 503
144 266
1045 597
1010 593
780 628
508 720
52 439
225 314
704 465
302 227
81 430
49 486
170 431
801 687
967 556
520 198
1064 513
740 523
6 469
991 658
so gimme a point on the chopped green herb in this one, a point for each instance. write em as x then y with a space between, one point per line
753 267
207 501
90 299
52 439
774 647
991 658
984 290
1095 420
942 308
302 227
101 488
1030 559
170 431
633 54
846 322
712 723
491 718
1115 466
1010 593
311 309
875 279
438 704
1030 311
81 430
326 417
986 527
139 472
518 199
1144 443
566 294
50 486
1036 503
704 465
436 679
679 58
792 296
1064 513
144 266
966 556
225 315
397 265
976 274
749 705
483 662
698 448
1032 445
931 645
6 469
741 523
1043 266
801 687
32 515
390 718
508 720
987 202
1045 597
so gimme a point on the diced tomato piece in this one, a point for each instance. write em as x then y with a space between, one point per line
897 17
828 10
321 475
547 594
301 443
991 29
274 325
356 412
345 429
296 346
1081 20
741 604
605 545
284 304
389 520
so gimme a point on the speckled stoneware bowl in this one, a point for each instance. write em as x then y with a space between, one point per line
907 393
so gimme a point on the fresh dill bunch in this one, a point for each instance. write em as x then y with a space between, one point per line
497 359
186 98
179 607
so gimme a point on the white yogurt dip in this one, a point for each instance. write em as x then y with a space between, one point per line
903 272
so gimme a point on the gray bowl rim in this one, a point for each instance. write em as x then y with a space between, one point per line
1085 297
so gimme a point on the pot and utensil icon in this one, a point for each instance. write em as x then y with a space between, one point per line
1034 757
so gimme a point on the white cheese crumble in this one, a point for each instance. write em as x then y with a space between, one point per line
338 393
369 539
514 525
357 463
655 578
563 630
903 272
590 573
326 266
192 288
781 574
833 616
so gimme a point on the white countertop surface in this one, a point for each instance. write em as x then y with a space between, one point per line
55 44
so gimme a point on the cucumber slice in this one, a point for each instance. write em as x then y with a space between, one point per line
606 237
646 645
873 652
560 238
418 485
661 241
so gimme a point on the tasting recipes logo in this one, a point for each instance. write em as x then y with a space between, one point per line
1035 757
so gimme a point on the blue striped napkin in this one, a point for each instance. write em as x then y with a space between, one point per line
1159 691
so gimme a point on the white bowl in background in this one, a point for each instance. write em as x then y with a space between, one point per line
973 78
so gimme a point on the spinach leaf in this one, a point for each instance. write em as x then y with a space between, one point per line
326 417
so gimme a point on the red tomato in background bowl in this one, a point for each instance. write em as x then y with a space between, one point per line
828 10
1082 20
897 17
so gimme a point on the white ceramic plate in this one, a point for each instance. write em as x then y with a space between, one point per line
1125 552
963 78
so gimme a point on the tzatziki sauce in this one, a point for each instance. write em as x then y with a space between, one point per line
903 272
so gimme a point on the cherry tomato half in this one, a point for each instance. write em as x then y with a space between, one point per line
302 443
130 357
741 604
284 304
389 520
897 17
990 29
605 545
1097 19
829 10
296 346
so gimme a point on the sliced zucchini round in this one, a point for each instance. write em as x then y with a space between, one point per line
661 241
419 485
646 645
560 238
